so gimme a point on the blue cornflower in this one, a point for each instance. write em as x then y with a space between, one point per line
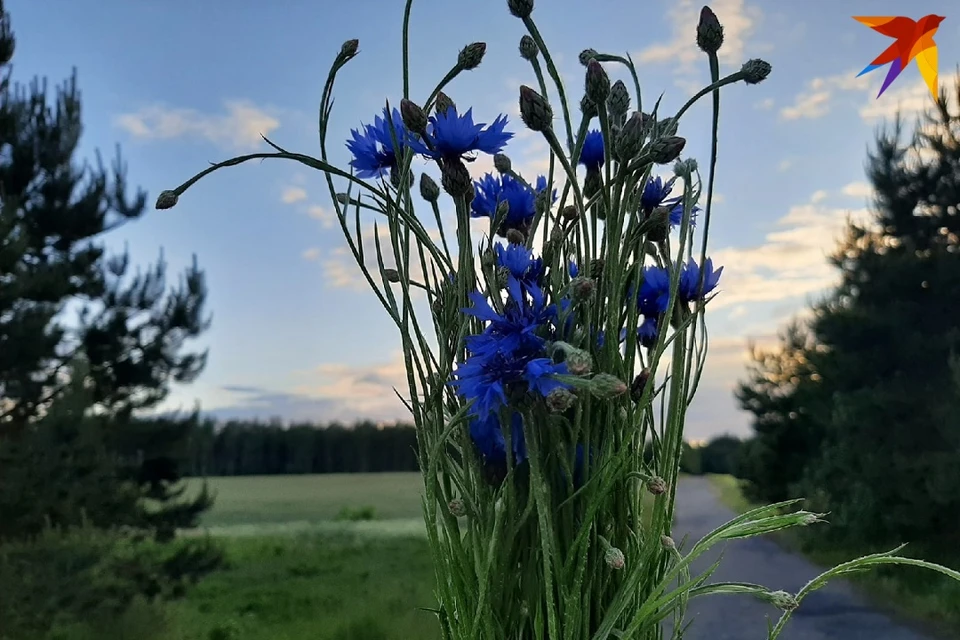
656 193
524 271
541 185
372 145
574 270
490 190
452 136
591 156
487 435
654 293
647 332
690 278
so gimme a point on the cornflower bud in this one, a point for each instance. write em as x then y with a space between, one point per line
343 199
755 71
455 178
606 386
660 224
579 362
520 8
444 103
667 543
685 168
349 49
709 31
395 178
457 508
471 55
667 127
502 278
167 199
630 140
535 111
502 163
429 190
587 55
597 83
503 210
515 236
810 518
596 268
560 399
528 48
639 384
656 485
614 558
592 184
618 104
570 212
666 150
414 118
784 601
391 275
583 289
588 108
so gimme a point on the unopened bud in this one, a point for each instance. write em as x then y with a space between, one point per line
503 210
414 118
657 486
349 49
560 399
515 236
587 55
685 168
396 178
755 71
618 104
455 178
596 268
535 111
579 362
666 150
630 140
528 48
391 275
343 199
784 601
606 386
709 31
592 183
596 83
639 384
167 199
659 227
520 8
570 212
667 127
501 278
502 163
588 108
471 55
614 558
457 508
444 103
429 190
583 289
667 543
810 518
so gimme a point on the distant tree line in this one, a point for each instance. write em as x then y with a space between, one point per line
237 448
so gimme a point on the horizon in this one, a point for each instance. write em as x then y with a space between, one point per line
295 332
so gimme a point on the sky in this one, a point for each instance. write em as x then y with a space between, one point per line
296 334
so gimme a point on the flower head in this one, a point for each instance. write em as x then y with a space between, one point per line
487 436
654 293
690 280
656 193
451 135
372 145
490 191
591 156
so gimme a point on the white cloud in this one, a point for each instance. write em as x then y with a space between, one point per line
910 101
766 103
739 23
816 98
325 216
818 196
239 128
858 190
291 195
791 263
785 164
311 254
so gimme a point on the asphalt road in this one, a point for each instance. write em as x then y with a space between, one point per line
832 613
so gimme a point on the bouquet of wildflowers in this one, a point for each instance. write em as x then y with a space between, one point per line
550 382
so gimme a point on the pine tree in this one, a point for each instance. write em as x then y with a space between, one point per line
883 387
131 331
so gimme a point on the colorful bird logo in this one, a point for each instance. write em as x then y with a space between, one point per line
914 40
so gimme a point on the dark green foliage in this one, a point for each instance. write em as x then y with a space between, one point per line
238 448
690 460
720 454
861 412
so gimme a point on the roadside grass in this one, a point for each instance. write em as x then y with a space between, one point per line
923 596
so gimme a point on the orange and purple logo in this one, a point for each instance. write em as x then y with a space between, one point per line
914 41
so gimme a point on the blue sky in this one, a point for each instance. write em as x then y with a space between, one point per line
295 333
